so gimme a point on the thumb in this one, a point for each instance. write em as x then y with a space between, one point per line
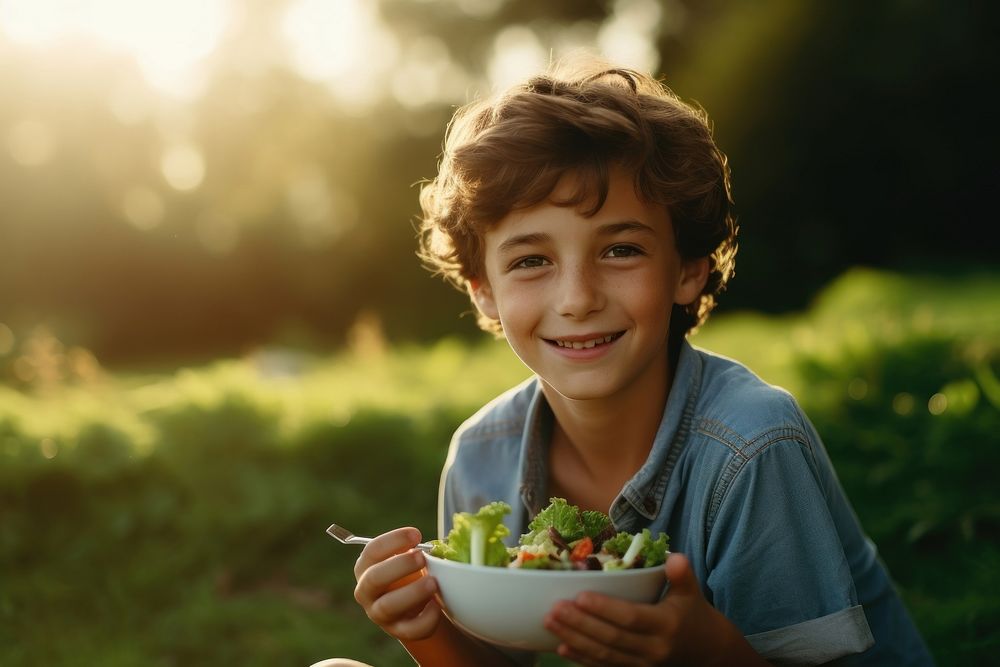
681 576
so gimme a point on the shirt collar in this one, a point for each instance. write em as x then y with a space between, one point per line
534 464
640 499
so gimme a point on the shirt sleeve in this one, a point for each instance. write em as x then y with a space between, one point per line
447 499
776 565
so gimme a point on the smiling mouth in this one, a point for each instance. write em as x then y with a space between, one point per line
586 344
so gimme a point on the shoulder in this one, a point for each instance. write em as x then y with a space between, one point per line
750 439
738 409
485 455
502 417
493 435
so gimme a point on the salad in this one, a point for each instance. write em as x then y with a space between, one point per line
560 537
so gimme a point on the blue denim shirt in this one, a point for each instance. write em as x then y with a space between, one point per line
740 481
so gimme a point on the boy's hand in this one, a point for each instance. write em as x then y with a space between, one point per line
392 590
681 629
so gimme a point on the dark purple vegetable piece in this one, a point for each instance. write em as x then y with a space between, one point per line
558 539
604 535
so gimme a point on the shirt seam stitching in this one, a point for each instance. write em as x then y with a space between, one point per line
738 463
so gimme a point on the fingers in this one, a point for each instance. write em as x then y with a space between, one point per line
385 545
419 627
612 636
600 630
589 640
403 604
681 576
639 618
396 571
391 587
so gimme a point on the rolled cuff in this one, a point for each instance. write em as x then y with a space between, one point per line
816 641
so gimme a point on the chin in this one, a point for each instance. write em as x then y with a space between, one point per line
582 390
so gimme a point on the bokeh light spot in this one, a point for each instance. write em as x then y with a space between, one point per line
343 44
183 167
143 207
629 37
517 54
30 142
962 396
49 448
857 388
937 404
903 403
426 74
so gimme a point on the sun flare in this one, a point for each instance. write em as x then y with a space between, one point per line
343 44
167 39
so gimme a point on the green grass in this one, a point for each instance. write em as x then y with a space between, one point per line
177 519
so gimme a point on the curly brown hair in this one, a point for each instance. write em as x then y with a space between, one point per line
509 152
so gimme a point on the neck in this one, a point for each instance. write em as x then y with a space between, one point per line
603 442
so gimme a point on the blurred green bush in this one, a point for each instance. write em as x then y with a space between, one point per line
178 519
913 429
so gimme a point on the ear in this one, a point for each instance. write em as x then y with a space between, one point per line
694 275
482 296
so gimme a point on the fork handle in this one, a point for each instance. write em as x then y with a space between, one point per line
423 546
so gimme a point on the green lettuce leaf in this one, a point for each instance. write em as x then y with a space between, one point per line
595 523
571 523
654 552
476 538
618 544
560 515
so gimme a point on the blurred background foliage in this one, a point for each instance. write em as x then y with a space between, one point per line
187 179
177 518
215 337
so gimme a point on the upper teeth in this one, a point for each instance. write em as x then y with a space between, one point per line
581 344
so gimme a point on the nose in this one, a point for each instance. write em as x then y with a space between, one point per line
578 292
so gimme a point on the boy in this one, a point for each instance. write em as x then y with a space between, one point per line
589 217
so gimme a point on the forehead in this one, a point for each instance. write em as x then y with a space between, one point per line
577 197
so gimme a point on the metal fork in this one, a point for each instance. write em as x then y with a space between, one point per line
347 537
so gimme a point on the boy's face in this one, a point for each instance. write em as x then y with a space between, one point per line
585 302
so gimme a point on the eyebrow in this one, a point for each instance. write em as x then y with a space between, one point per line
612 228
520 240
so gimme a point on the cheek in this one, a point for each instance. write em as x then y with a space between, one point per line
521 316
649 304
643 288
517 309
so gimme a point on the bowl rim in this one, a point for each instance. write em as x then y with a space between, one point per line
517 571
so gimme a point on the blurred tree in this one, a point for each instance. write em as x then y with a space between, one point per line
859 133
276 207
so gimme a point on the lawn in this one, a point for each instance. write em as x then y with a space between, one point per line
177 518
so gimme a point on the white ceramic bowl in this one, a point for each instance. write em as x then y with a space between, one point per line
506 606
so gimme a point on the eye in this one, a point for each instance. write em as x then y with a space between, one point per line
532 262
623 251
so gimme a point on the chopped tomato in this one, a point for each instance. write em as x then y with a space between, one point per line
527 555
583 548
